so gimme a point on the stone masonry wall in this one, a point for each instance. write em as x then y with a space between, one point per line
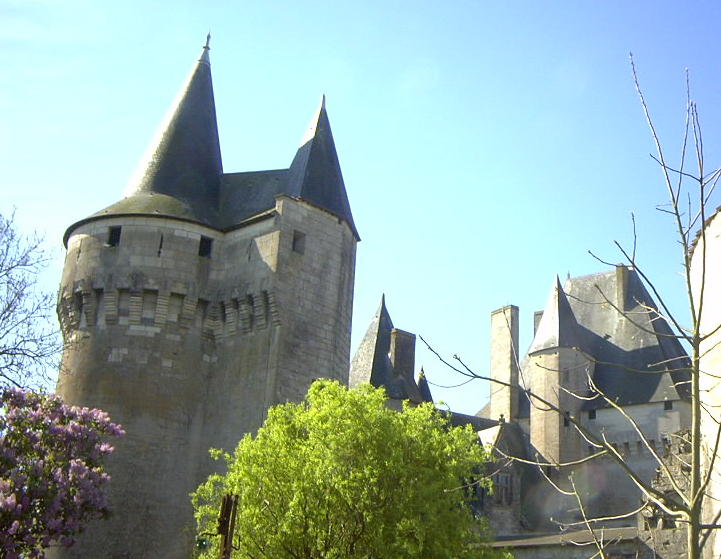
188 351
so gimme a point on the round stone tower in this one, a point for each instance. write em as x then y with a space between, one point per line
195 303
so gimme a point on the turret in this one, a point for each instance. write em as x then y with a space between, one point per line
195 303
386 358
556 369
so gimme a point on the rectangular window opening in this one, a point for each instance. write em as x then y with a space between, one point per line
114 236
591 414
205 247
298 242
668 405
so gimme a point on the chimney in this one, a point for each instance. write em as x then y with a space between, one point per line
403 353
537 316
504 363
621 286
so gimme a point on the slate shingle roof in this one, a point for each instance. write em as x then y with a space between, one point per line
372 362
636 358
182 175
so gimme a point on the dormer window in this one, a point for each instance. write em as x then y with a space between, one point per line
205 247
113 236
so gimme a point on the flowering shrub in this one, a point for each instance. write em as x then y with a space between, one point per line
51 471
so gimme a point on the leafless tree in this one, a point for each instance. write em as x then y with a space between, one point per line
29 338
689 186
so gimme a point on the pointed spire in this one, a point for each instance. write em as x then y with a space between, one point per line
315 175
205 55
374 360
184 162
423 386
371 362
558 326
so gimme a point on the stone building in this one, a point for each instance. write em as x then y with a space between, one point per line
202 298
193 304
598 340
597 336
706 277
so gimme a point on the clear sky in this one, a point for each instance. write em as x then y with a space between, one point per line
485 146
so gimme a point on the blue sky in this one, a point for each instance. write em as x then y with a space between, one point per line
485 146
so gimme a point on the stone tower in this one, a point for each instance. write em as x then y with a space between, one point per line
195 303
556 369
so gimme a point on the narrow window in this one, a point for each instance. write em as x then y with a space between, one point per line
591 414
668 405
79 309
175 307
205 247
626 448
298 242
566 419
113 236
160 245
503 486
99 308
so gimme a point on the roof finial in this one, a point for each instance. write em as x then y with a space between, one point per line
207 41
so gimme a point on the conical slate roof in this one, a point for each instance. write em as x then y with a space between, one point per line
423 387
558 326
315 175
635 357
372 362
181 175
181 172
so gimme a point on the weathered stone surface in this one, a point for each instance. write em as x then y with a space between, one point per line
191 307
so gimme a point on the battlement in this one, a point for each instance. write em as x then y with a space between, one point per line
149 311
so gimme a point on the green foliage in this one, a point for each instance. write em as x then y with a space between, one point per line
343 476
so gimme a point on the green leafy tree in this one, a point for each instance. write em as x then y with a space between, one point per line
341 475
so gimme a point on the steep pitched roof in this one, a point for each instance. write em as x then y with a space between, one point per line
636 358
181 171
182 176
423 386
315 174
558 326
372 362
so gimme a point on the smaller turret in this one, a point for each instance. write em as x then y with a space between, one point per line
555 369
315 175
386 358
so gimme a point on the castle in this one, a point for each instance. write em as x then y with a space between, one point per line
195 303
202 298
598 343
